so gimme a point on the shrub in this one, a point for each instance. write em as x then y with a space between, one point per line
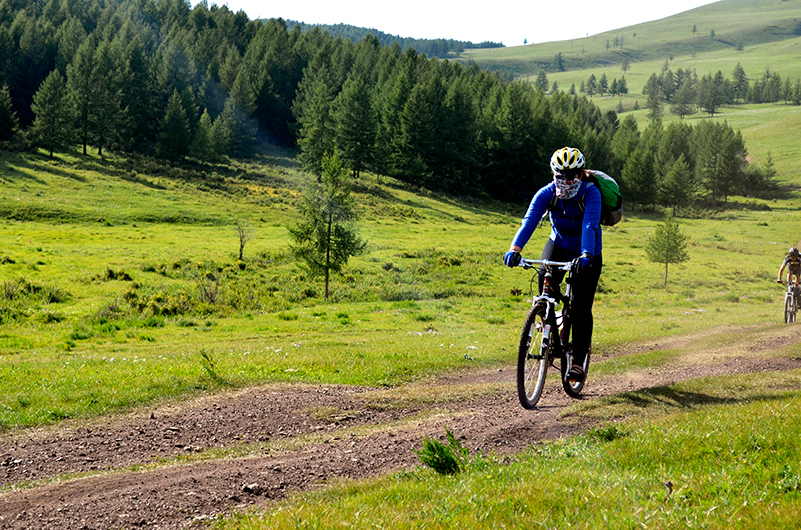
445 459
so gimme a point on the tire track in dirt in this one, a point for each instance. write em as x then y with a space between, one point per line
338 432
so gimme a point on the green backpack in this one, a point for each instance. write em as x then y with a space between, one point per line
611 199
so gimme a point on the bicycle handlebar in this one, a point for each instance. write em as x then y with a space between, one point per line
529 263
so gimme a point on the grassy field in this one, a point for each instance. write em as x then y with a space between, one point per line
120 286
115 309
766 29
729 463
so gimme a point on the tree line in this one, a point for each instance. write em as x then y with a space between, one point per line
685 93
440 48
161 78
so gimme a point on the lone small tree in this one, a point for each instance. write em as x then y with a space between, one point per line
326 238
244 233
667 245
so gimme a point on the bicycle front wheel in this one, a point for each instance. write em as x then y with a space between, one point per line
789 309
532 356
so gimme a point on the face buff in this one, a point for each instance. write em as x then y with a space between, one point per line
566 189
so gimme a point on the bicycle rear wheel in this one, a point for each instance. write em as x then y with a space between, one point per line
789 309
574 388
532 356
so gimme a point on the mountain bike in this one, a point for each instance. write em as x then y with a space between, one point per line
790 302
544 339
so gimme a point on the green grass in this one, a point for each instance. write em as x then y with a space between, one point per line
120 287
112 306
767 30
706 454
429 296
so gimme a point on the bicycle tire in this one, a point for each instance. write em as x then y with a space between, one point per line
794 312
789 309
533 356
574 388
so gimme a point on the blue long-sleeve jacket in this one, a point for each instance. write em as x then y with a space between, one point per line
573 230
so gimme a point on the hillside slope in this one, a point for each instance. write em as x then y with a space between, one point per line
724 25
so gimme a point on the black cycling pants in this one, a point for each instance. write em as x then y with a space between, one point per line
582 296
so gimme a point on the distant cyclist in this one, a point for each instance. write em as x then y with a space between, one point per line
792 262
575 212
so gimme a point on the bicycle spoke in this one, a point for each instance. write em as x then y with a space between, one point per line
532 360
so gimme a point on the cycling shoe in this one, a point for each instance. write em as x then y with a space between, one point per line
575 374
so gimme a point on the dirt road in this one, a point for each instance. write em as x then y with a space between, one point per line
275 440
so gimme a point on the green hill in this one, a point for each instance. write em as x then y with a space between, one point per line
726 28
762 36
441 48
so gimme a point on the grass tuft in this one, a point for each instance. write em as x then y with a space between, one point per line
445 459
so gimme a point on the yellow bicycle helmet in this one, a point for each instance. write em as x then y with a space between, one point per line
566 159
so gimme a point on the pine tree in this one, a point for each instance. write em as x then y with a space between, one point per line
654 103
355 125
622 86
81 90
675 188
559 62
461 137
8 118
592 85
51 126
739 82
667 245
421 141
31 60
69 37
797 92
787 90
325 239
317 129
106 113
720 158
676 140
6 43
239 111
229 68
623 144
683 100
542 81
222 132
203 147
173 70
638 171
514 151
603 84
389 143
174 138
709 94
137 102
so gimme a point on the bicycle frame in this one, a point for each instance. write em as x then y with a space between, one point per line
552 297
791 296
539 346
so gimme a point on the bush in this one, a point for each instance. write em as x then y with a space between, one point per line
447 459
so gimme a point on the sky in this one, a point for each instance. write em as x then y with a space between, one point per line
510 22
